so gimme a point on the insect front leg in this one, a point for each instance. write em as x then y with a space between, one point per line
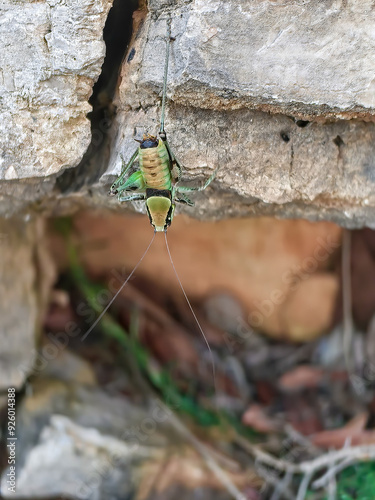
131 197
124 170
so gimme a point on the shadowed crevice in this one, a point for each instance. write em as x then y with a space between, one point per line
117 33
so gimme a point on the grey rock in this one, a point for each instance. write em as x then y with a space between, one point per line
26 274
297 57
19 195
67 366
50 56
267 165
279 97
77 462
229 64
223 310
80 441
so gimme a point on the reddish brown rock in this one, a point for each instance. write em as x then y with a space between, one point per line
268 264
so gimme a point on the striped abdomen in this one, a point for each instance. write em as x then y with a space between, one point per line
154 164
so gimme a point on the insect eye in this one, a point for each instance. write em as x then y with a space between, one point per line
149 143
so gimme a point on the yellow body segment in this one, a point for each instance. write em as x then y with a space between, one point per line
154 164
158 209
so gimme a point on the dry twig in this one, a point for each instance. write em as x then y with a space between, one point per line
282 487
332 472
347 300
345 457
304 485
205 453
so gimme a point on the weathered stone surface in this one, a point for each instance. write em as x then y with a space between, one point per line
79 441
299 58
285 58
241 79
26 275
50 56
308 175
75 462
15 195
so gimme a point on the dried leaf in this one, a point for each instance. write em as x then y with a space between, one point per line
257 418
301 377
353 432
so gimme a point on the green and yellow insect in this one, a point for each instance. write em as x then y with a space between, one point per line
159 172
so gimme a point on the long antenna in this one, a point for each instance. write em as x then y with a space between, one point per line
192 312
118 291
169 38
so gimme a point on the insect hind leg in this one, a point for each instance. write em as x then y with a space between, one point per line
188 189
133 188
135 182
182 198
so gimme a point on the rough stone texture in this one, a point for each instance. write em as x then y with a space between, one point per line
297 60
50 56
241 78
299 57
65 462
75 432
16 195
26 275
272 93
260 173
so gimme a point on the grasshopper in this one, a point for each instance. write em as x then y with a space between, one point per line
157 180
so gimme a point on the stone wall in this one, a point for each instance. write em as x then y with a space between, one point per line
26 276
278 96
51 55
